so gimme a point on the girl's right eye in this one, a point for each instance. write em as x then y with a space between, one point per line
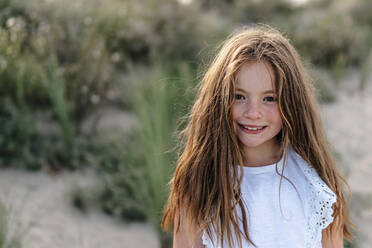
239 97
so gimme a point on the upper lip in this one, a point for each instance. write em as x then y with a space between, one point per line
253 126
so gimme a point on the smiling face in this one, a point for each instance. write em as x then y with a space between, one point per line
255 111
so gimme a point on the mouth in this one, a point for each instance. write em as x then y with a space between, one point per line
251 128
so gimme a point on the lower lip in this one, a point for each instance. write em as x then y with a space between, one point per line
252 131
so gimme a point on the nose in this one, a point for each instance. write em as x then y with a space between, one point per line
253 110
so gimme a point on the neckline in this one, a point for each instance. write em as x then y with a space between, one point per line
263 169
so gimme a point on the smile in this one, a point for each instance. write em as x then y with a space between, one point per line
252 129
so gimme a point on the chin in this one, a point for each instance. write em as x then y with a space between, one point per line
251 144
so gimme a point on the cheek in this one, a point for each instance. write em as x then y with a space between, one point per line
275 116
279 121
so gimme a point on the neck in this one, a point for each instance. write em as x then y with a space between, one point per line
259 156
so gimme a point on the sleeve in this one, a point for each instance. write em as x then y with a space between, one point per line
320 199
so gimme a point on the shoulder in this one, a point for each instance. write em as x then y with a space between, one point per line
319 199
307 171
314 183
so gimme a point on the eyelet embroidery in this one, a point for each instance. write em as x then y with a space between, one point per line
320 201
319 206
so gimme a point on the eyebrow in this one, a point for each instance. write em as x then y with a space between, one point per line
265 92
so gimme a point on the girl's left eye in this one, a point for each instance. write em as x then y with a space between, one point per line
269 99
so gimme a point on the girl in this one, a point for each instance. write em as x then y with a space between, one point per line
256 170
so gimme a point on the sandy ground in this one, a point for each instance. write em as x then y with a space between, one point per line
44 200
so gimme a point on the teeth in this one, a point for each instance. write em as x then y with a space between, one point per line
252 128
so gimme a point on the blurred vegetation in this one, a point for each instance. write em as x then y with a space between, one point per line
60 61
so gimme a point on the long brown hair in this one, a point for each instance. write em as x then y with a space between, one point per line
206 183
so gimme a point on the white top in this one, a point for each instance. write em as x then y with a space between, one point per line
296 218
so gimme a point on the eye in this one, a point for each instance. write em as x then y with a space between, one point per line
239 97
269 99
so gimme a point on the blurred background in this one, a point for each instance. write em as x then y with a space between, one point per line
92 93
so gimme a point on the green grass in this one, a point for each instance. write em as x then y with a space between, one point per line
55 86
159 105
138 167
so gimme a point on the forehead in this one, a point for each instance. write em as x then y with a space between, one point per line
255 76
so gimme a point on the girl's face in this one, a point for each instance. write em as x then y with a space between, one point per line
255 111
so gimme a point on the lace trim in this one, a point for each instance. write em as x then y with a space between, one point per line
320 201
319 206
